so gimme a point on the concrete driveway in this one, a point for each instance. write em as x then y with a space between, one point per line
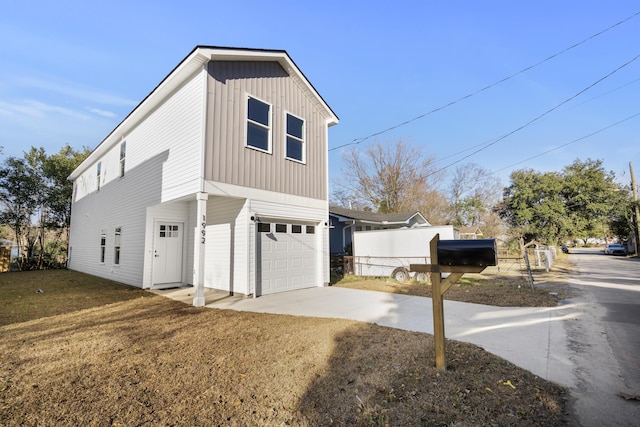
532 338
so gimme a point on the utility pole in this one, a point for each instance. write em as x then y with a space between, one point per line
636 209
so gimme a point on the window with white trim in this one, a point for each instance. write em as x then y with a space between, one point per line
258 124
116 246
123 154
98 172
295 138
103 245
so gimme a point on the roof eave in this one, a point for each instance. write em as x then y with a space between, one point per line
193 62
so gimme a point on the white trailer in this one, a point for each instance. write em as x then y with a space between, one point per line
388 253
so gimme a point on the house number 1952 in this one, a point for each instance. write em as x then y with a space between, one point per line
203 230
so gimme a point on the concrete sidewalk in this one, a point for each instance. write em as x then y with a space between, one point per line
531 338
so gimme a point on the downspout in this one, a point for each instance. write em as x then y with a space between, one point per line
251 225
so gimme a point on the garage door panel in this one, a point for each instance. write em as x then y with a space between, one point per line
288 260
280 265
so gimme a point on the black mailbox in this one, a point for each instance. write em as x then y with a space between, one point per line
476 252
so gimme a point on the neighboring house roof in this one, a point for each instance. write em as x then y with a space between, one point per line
191 64
372 217
470 230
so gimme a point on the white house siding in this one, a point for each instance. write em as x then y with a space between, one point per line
175 128
226 245
162 163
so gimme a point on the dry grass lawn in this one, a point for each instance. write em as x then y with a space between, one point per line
138 359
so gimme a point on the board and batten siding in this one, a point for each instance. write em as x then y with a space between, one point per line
228 160
163 162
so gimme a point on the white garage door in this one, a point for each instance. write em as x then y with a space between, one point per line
287 257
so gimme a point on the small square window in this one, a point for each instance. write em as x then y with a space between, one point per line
264 227
281 228
311 229
297 229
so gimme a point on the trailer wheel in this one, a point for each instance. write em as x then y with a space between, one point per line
421 277
400 274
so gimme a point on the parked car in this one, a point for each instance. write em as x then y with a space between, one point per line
615 249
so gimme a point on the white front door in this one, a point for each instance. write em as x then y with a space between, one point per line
167 253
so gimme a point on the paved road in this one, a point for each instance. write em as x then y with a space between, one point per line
604 341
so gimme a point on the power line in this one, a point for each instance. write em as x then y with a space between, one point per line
530 122
359 140
439 160
568 143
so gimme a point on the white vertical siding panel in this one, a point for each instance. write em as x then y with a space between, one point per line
226 245
217 270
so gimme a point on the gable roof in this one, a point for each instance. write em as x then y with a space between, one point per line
390 218
470 230
193 62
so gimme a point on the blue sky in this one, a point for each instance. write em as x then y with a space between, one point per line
70 71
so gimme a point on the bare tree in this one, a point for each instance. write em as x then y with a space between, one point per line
435 208
387 178
473 196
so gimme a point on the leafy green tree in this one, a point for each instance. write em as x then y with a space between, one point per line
534 205
473 197
582 201
21 190
591 196
36 203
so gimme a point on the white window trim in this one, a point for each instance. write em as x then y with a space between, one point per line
247 121
122 159
117 238
99 176
303 140
103 247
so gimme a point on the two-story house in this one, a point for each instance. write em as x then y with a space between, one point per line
217 179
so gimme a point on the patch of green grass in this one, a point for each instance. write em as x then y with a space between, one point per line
29 295
349 278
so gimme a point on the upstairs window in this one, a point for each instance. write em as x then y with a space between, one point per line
98 172
123 154
258 125
295 138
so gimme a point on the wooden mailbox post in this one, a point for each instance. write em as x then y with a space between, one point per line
469 264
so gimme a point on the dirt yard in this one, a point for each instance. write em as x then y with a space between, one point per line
146 360
491 288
